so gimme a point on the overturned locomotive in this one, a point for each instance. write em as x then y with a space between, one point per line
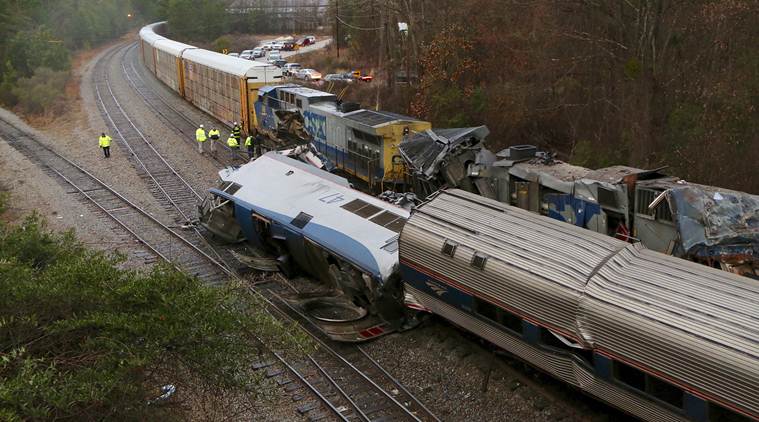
313 221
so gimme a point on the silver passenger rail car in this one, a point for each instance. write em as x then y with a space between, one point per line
656 336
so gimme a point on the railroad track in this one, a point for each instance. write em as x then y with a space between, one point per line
182 124
338 388
362 389
160 239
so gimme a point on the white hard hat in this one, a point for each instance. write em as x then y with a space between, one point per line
201 125
235 122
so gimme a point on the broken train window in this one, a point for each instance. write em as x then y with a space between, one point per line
301 220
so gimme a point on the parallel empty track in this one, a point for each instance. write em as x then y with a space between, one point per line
163 241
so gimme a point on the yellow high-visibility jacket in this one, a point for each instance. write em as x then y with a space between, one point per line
248 141
200 135
104 141
214 133
232 142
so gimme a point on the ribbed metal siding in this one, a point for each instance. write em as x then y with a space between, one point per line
697 325
561 366
535 265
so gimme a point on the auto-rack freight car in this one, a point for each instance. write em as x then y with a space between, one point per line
656 336
225 87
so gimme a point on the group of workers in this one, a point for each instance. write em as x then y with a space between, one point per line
233 142
104 141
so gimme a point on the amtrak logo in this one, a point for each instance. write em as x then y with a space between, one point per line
439 290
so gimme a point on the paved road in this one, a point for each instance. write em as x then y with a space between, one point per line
319 44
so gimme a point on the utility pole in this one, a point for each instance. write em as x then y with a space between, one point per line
337 26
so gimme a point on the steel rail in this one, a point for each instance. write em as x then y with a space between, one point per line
118 195
164 104
397 383
137 157
335 354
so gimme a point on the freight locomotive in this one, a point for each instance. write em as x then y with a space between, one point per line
362 143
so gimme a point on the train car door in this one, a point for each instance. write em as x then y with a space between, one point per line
252 97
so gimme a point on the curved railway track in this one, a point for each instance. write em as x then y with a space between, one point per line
160 239
338 387
184 125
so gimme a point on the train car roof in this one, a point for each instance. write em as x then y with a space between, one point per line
172 47
305 91
262 72
356 226
649 308
377 118
149 35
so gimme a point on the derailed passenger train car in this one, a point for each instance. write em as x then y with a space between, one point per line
656 336
313 221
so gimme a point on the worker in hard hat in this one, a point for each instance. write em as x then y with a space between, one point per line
200 136
232 142
237 132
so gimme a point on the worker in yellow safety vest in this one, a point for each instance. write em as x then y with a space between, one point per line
215 135
237 132
249 145
200 136
232 142
105 142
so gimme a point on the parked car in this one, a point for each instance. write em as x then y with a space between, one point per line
288 46
356 74
258 52
266 46
233 54
308 75
291 68
339 77
246 54
301 42
279 63
311 39
277 45
274 57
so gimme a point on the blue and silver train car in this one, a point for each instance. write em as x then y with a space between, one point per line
659 337
315 222
363 143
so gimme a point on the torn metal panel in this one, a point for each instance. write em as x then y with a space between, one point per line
714 221
426 151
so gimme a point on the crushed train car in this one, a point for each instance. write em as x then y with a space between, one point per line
714 226
314 222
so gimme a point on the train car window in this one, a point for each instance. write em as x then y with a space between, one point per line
607 198
354 205
299 103
631 376
384 218
367 211
396 225
230 187
486 309
367 137
479 260
664 391
388 220
718 413
449 248
301 220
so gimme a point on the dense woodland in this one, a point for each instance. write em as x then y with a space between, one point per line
641 82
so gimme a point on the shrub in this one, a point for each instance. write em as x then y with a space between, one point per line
41 91
82 339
